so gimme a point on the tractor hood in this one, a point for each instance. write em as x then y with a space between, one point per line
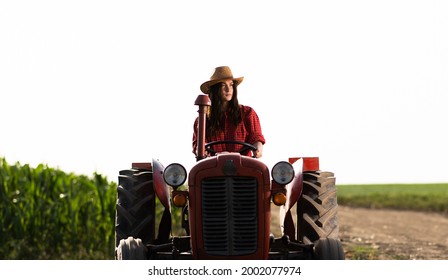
229 164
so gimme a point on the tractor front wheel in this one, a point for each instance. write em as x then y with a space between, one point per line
131 249
328 249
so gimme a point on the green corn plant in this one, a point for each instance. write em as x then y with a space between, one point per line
48 214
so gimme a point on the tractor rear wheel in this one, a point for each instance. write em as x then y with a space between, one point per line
328 249
317 208
131 249
135 209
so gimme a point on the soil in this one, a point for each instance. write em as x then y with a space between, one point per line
393 234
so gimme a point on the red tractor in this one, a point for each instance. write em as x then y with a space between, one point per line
226 211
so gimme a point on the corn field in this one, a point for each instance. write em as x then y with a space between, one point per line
49 214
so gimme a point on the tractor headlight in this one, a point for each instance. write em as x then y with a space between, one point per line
175 175
282 173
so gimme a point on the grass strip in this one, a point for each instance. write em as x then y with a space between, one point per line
418 197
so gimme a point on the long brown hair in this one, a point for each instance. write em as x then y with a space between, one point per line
215 120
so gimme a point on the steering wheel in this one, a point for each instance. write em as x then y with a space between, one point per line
246 146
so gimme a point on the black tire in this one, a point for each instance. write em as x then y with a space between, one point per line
131 249
135 209
328 249
317 208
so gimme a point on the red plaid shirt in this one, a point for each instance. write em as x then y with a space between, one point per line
249 131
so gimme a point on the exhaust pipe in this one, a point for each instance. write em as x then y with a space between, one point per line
203 101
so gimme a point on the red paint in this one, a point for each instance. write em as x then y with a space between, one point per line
161 188
142 166
309 163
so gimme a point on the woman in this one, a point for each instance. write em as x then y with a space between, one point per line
226 118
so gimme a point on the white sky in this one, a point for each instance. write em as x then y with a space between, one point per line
96 85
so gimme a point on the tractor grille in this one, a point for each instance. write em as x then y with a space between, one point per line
229 215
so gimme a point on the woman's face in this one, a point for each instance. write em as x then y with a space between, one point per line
226 90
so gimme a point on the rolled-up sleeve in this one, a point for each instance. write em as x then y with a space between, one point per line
253 126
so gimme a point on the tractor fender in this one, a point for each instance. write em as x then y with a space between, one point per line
161 188
294 189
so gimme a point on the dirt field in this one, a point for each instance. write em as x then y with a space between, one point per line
395 234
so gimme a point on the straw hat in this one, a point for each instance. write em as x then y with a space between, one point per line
221 74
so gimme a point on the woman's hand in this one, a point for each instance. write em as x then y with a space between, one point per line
259 151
